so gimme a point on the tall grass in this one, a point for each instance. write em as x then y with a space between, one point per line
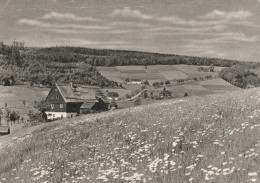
209 139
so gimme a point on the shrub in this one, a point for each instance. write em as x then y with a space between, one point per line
112 94
156 84
211 68
127 95
146 82
137 101
167 82
7 81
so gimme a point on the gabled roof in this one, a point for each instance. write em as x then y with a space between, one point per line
104 99
88 104
78 94
136 80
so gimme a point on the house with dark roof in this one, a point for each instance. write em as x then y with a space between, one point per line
67 100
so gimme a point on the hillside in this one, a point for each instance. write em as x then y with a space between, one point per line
106 57
62 64
215 138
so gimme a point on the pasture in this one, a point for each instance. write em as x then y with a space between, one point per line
214 138
154 73
200 88
15 95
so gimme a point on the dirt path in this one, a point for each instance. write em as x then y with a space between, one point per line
137 95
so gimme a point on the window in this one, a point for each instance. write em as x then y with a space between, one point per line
57 96
61 115
61 106
72 115
52 106
53 115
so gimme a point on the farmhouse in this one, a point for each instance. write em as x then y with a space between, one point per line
68 100
135 81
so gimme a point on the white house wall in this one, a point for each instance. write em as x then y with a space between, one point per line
59 115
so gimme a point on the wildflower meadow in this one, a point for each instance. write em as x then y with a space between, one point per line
215 138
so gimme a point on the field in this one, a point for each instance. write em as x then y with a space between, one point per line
215 138
155 72
15 95
199 88
167 72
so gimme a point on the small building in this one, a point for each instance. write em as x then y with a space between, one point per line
4 130
135 81
68 100
203 69
165 93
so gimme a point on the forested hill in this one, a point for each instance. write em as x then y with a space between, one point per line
105 57
62 64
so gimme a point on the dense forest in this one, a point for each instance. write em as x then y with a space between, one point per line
63 64
96 57
18 66
240 76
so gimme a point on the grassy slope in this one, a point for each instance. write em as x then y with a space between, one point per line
214 138
15 95
154 73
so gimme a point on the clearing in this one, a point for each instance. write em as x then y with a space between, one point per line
15 95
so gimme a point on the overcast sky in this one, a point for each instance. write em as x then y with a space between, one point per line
211 28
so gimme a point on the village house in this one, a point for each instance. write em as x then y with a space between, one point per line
135 81
68 100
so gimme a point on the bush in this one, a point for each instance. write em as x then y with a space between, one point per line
127 95
167 82
7 81
156 84
211 68
112 94
145 95
137 101
146 82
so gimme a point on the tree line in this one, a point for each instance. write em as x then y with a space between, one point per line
240 76
102 57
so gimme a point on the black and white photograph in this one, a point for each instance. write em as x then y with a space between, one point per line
129 91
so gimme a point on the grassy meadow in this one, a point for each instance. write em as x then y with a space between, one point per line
195 83
214 138
15 95
154 73
199 88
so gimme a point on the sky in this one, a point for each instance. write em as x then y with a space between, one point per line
208 28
